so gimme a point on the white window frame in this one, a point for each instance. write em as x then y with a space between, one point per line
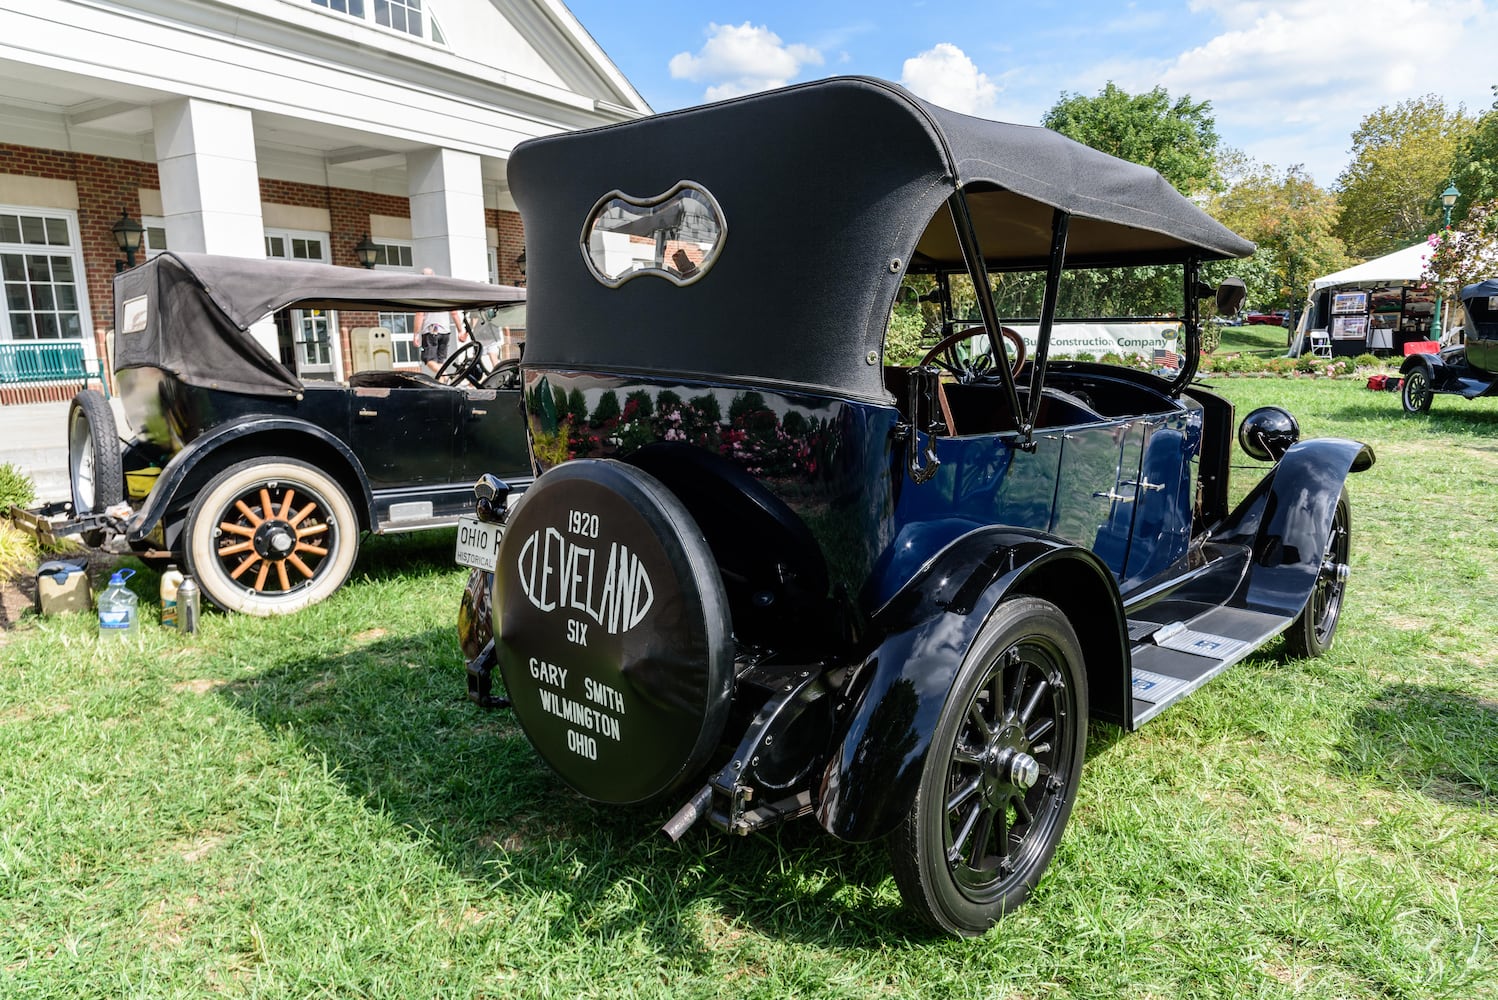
80 275
334 368
400 340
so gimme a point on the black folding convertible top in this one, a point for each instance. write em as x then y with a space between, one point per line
826 191
190 313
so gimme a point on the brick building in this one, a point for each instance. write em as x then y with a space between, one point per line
281 128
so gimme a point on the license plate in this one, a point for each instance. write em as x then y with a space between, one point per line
478 544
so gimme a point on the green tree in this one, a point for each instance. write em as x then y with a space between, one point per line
1475 172
1292 221
1176 137
1401 162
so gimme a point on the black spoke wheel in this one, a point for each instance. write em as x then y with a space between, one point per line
1312 633
1001 774
1416 393
506 375
269 537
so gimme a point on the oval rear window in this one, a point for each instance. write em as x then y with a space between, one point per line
676 235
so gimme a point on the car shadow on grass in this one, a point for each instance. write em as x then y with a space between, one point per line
392 718
1442 743
1456 416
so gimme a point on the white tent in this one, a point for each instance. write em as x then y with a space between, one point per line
1401 265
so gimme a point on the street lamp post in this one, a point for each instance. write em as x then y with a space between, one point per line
1448 200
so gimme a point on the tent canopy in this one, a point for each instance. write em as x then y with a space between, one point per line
1401 265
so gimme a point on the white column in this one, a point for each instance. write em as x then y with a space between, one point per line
210 183
447 213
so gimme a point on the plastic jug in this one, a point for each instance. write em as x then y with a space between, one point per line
117 606
170 581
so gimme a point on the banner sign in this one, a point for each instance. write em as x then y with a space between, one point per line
1098 339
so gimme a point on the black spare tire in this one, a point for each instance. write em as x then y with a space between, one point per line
612 631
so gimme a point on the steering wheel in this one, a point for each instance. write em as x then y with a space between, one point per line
506 375
944 357
464 363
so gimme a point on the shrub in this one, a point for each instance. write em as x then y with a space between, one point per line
1086 356
1367 361
17 551
1280 366
1307 364
15 488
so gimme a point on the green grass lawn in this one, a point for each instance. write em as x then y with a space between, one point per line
309 807
1264 341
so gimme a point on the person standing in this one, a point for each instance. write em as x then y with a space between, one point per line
432 338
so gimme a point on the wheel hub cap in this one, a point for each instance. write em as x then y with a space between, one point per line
275 539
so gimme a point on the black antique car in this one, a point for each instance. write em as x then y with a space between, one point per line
259 482
765 575
1468 369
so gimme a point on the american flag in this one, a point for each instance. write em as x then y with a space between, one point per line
1167 359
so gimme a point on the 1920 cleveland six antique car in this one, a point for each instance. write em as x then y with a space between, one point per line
765 575
261 482
1468 369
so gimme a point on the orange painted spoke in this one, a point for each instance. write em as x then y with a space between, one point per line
301 566
235 528
252 560
281 573
286 504
316 529
249 515
303 513
260 576
315 550
266 509
236 549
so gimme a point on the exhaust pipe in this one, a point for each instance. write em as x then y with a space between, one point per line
688 814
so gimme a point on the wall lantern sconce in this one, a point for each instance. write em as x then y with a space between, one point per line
520 263
127 236
366 250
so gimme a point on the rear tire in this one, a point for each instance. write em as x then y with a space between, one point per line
96 472
1416 393
270 536
1001 774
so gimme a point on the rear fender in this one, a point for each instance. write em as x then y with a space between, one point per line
892 702
1435 367
186 465
1287 520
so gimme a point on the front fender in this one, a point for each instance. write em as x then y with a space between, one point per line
182 465
1287 520
892 702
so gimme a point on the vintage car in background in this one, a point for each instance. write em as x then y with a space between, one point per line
260 483
765 575
1468 369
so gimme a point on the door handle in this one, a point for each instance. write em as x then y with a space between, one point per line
1144 484
1115 497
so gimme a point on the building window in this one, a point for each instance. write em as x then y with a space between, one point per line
402 15
403 353
354 8
406 16
394 255
294 248
40 270
154 242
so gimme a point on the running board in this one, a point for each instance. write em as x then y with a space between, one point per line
1172 659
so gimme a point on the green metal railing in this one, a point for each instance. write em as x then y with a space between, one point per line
27 362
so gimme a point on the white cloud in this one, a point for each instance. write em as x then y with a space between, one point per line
945 76
742 59
1290 80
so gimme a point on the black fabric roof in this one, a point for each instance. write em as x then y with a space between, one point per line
191 312
827 190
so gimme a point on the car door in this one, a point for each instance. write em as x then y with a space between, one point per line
491 436
405 437
1096 488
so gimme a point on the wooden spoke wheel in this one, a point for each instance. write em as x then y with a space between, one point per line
270 537
1001 774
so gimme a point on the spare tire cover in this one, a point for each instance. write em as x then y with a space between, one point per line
612 631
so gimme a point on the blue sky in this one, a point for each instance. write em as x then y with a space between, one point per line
1289 80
